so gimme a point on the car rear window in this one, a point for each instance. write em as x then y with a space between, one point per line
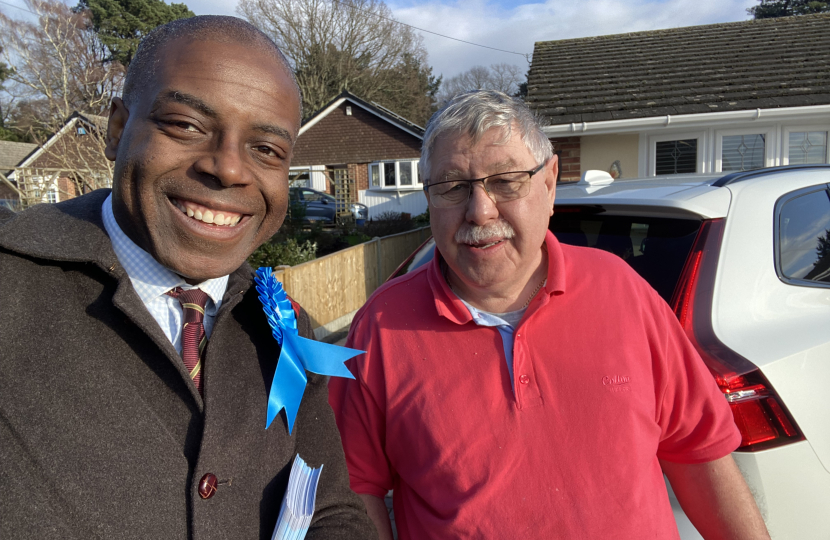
656 247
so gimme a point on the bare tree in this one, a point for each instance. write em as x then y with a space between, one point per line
60 69
334 45
502 77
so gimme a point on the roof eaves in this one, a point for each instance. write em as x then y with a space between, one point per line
377 110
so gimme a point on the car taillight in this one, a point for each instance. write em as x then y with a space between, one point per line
759 413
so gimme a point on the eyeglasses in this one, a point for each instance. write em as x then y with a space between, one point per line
501 187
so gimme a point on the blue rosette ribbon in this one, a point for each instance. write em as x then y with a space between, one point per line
297 355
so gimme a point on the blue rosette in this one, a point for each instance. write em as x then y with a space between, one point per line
297 354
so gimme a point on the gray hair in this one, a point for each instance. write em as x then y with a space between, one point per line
220 28
474 113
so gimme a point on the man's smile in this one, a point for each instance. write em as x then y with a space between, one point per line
219 218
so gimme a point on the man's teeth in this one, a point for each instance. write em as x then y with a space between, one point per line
485 246
208 216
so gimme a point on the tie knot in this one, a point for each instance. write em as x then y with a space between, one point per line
194 299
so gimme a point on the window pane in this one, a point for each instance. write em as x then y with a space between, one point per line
804 241
389 174
676 157
374 175
405 170
808 147
299 179
742 152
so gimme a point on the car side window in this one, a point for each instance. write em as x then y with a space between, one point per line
312 196
803 231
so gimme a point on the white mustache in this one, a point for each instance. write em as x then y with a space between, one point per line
477 234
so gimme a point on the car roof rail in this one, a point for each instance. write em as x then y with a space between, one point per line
746 175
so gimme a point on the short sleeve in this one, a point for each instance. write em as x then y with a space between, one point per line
359 407
695 419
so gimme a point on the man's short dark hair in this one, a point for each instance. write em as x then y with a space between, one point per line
223 29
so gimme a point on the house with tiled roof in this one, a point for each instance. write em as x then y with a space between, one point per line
361 152
69 163
11 155
713 98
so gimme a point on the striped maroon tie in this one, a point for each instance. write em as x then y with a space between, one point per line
194 339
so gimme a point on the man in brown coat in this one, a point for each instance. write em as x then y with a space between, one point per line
103 431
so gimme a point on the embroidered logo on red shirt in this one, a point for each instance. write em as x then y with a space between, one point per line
617 383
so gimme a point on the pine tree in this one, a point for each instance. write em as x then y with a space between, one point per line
785 8
121 24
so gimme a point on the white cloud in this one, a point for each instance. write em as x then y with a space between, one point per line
509 25
518 27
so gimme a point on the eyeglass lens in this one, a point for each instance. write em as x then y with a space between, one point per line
501 187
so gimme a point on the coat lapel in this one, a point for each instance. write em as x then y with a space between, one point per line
73 231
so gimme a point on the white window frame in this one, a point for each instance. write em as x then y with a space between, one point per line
298 171
770 144
701 149
416 181
785 140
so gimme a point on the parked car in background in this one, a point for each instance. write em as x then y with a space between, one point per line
322 207
744 261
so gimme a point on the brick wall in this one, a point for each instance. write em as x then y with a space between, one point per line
567 148
361 137
362 177
6 192
67 189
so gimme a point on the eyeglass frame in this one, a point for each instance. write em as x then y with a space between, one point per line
484 183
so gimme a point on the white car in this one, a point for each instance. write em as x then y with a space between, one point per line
744 260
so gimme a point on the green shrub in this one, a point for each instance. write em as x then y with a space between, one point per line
422 220
288 252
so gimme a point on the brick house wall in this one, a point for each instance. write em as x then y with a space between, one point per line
567 148
6 192
76 156
361 174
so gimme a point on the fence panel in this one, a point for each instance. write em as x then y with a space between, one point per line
396 248
333 287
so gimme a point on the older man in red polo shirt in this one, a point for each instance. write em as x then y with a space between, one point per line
518 387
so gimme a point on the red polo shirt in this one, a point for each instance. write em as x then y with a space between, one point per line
606 383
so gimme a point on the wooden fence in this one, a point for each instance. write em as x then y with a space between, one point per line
333 287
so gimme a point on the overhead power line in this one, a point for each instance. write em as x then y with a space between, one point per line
18 7
427 31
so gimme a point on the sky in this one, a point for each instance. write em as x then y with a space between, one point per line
513 25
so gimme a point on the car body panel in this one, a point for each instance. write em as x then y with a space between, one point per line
318 206
783 329
791 489
682 195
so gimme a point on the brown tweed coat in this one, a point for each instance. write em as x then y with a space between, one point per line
102 433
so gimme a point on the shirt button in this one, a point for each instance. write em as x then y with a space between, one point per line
524 379
207 486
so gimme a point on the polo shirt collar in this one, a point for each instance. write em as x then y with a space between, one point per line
450 306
